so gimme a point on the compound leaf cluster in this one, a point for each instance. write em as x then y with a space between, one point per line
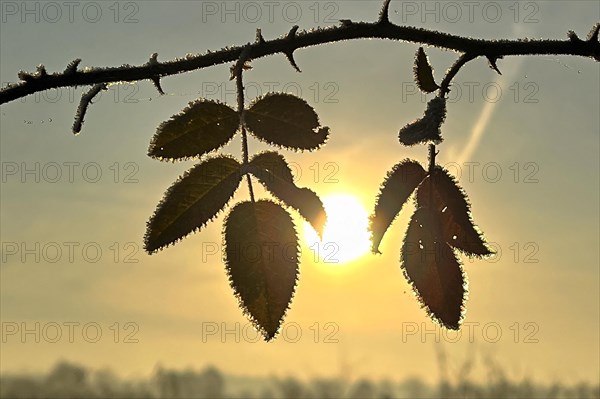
441 223
259 236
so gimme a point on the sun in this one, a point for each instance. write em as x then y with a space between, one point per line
346 235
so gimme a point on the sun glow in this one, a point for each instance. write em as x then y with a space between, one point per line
345 236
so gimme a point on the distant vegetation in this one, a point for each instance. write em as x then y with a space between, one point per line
67 380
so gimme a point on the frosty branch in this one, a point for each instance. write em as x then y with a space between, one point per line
347 30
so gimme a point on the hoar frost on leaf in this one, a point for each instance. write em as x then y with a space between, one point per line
428 127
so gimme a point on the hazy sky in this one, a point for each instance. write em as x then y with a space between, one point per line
524 145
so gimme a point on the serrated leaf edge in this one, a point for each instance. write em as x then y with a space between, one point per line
381 187
237 295
180 113
320 128
476 227
422 61
284 203
417 294
195 230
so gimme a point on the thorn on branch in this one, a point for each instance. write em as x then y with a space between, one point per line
492 62
292 33
72 66
384 15
573 36
86 100
41 71
72 78
156 81
28 77
259 37
593 35
25 76
290 56
289 53
153 59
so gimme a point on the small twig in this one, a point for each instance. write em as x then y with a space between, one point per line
86 100
462 60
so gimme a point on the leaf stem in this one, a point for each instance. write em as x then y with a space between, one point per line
432 154
245 152
430 169
237 71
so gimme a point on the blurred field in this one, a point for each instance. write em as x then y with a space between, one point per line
68 380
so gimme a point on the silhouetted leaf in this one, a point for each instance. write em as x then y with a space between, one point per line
274 173
399 183
424 73
428 127
261 248
192 201
274 163
285 120
203 126
451 206
431 267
